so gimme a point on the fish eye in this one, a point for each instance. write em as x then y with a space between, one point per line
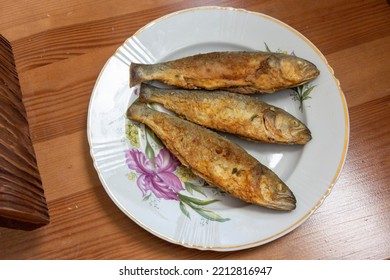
294 123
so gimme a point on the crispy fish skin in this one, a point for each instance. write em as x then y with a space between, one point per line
217 160
242 115
241 72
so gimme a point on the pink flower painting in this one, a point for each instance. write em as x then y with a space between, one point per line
157 176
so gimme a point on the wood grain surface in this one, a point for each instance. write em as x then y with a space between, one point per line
60 48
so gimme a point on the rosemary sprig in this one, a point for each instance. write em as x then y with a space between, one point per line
302 93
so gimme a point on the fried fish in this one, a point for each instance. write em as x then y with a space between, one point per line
242 115
217 160
241 72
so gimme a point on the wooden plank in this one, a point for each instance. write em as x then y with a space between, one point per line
345 24
362 72
57 107
66 165
49 14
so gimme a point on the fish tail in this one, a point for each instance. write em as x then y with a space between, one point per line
135 74
146 93
138 111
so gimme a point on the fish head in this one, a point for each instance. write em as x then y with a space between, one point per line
276 195
297 70
280 126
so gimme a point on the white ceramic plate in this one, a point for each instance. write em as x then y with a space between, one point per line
188 215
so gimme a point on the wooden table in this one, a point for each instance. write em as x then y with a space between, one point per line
60 48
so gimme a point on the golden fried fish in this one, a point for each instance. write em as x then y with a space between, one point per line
241 72
217 160
242 115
